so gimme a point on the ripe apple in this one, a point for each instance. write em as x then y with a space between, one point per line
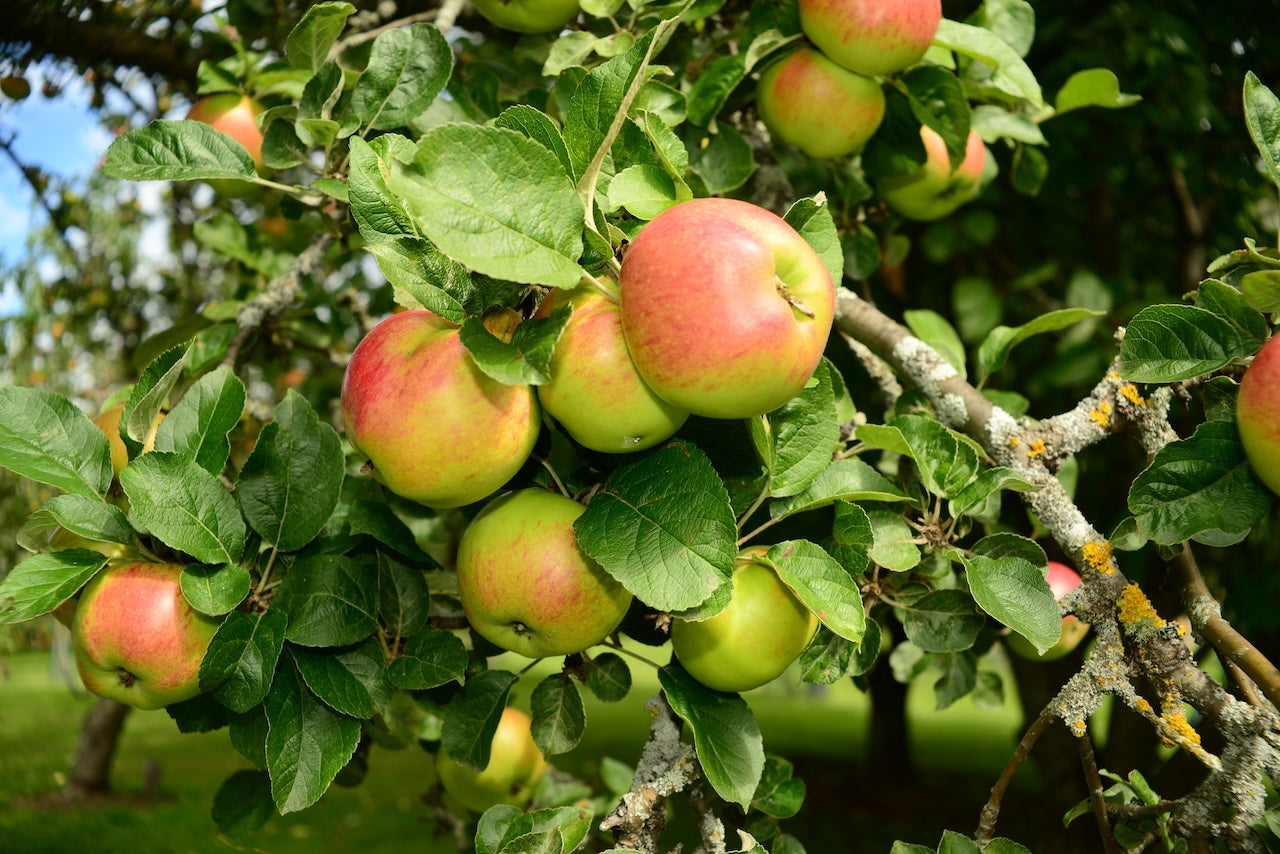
108 421
435 428
595 392
935 189
235 115
1258 413
824 110
725 308
136 640
753 640
515 766
528 16
1062 580
525 584
871 36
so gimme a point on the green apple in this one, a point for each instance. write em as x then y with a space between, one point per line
136 640
1062 580
822 109
1258 413
434 427
725 308
753 640
234 114
515 766
936 189
595 392
871 37
524 583
528 16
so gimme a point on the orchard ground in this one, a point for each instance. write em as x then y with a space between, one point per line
958 752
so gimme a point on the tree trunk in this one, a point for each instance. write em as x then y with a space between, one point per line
91 769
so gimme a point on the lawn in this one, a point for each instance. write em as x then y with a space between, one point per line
823 730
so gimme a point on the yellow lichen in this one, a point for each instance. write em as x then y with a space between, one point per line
1036 449
1130 392
1142 705
1014 441
1180 729
1102 415
1135 607
1098 555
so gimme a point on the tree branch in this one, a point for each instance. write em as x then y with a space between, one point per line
278 296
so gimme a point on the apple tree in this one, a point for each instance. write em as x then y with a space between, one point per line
568 331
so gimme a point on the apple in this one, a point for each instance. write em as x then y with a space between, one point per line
871 36
936 189
15 86
234 114
1062 580
135 638
524 583
725 308
108 421
1258 413
824 110
528 16
753 640
515 766
434 427
595 392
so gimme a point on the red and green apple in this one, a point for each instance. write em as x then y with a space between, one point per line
528 16
234 114
1062 580
1258 413
937 188
821 108
871 37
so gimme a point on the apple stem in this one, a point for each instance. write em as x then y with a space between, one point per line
600 286
614 645
554 477
791 299
755 505
746 538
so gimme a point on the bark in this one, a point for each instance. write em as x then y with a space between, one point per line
91 769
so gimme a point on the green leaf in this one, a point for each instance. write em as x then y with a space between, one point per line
558 830
432 658
934 330
43 436
1231 305
289 485
404 599
215 590
1015 592
714 86
330 600
844 480
307 743
308 44
199 424
378 520
1261 290
1199 488
1262 116
663 527
473 715
240 663
150 396
526 359
242 804
726 735
995 348
352 681
644 190
811 217
407 69
724 161
568 51
992 123
379 214
186 507
424 277
176 150
559 717
42 582
1167 343
946 460
1092 87
894 547
822 585
937 100
608 677
780 794
802 434
88 518
974 495
826 659
496 201
943 621
1012 76
539 127
959 677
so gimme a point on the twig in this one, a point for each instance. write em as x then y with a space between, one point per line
1090 765
991 811
278 297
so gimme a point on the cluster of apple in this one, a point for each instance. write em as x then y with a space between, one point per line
824 96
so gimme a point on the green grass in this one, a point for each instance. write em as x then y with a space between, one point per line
40 720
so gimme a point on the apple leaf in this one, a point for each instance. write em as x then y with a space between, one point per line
378 213
1015 592
607 677
45 437
973 496
726 161
150 396
352 681
959 677
307 742
404 599
811 218
1261 290
177 150
559 717
472 718
662 526
1231 305
492 827
851 537
408 67
329 601
801 436
307 46
933 329
88 518
424 277
1167 343
994 350
644 190
1008 544
526 359
215 590
539 127
200 422
1200 488
496 201
555 830
826 659
937 100
843 480
943 621
432 658
893 541
947 461
241 660
868 652
289 485
822 585
1262 115
242 804
377 519
780 793
714 86
1011 74
1092 87
726 735
184 506
42 582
